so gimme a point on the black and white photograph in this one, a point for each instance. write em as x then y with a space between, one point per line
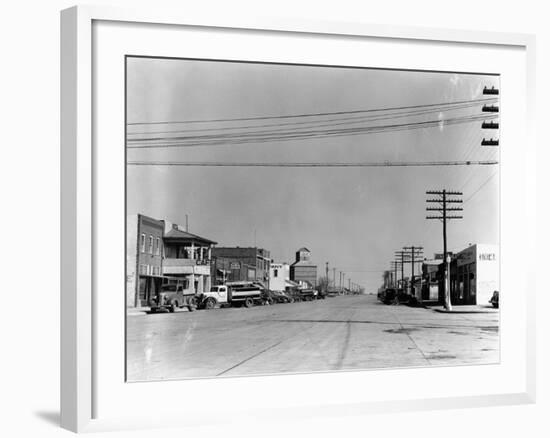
292 218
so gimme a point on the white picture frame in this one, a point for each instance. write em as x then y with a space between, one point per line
82 368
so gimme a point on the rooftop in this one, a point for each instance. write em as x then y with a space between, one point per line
177 234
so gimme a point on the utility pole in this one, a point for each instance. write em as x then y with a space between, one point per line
413 251
326 270
491 124
349 284
445 197
402 255
334 277
394 266
343 281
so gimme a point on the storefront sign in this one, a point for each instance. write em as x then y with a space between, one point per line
487 257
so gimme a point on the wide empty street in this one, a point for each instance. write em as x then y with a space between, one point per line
338 333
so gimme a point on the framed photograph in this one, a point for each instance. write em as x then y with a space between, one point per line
253 208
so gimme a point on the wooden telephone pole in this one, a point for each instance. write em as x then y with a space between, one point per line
445 197
412 252
394 265
402 258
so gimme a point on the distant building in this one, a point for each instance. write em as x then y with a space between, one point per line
144 252
279 275
241 264
431 278
303 269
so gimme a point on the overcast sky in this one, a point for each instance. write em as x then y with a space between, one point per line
354 218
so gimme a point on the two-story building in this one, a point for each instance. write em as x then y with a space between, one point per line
240 264
157 249
144 253
188 257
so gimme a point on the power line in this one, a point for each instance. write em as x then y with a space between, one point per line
306 130
481 186
485 101
227 140
320 164
386 116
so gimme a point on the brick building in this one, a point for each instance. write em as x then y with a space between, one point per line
240 264
144 252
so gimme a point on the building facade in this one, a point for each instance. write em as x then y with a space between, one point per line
241 264
187 257
279 275
475 274
157 250
303 269
431 280
144 252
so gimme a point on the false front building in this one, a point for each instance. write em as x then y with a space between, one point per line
475 274
303 269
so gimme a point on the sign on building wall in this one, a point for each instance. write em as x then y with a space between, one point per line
487 257
466 257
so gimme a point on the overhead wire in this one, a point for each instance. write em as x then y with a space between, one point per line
289 116
354 119
480 187
300 135
312 164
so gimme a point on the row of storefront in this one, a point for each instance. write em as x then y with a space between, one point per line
473 273
158 250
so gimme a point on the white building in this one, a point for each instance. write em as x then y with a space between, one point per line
279 274
476 275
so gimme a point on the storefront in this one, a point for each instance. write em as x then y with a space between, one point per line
474 274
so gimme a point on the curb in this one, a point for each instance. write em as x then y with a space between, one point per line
464 311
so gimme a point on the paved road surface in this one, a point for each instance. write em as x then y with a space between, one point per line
346 332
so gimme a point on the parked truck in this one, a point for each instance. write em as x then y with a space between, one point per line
308 294
237 293
173 295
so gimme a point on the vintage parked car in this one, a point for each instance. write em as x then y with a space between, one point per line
173 295
494 299
281 297
392 295
388 295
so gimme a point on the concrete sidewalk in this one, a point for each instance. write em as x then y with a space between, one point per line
480 308
133 311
